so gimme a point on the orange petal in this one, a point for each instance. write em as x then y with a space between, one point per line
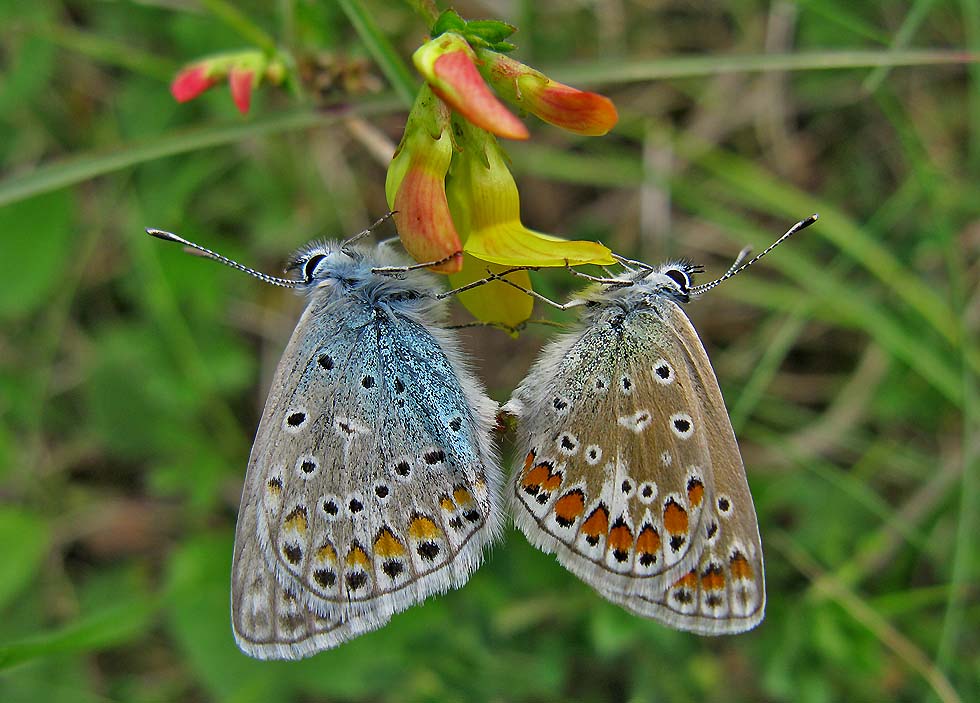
578 111
447 64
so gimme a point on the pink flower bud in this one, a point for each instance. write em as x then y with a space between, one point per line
191 82
241 81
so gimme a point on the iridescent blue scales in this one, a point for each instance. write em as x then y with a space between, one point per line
373 481
631 474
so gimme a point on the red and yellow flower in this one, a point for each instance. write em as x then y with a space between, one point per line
449 182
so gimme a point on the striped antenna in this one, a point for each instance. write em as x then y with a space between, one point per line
736 269
198 250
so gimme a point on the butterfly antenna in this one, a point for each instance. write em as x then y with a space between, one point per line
202 251
737 269
742 256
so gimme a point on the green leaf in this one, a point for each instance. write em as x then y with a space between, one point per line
491 31
25 537
105 628
84 166
502 47
34 249
448 21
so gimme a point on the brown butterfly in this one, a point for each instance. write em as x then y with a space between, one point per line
631 472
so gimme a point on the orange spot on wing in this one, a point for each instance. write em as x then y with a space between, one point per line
569 507
529 460
695 492
536 476
387 545
447 504
740 566
326 553
713 578
462 496
620 538
649 541
358 557
675 518
552 483
597 523
296 520
423 528
688 580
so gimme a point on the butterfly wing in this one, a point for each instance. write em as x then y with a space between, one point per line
616 469
269 620
725 592
372 478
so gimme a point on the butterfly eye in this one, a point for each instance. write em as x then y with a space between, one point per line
679 277
309 268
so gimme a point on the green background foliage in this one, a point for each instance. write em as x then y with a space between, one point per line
132 375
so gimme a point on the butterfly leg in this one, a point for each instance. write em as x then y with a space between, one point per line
611 281
574 303
630 263
395 270
484 281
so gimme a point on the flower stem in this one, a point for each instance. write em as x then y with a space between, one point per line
381 50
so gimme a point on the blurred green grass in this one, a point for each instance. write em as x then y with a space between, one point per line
131 376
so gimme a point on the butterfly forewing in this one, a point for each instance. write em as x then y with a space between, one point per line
614 474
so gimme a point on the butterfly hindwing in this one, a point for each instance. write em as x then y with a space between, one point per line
725 592
614 472
631 472
269 620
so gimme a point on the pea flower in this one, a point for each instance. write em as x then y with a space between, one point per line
416 185
191 82
244 70
448 65
579 111
486 208
449 182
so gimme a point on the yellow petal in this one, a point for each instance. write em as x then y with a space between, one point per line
514 245
494 302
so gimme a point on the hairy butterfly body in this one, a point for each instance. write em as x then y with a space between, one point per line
631 474
372 482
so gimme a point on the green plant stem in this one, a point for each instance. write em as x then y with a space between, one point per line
613 73
381 50
241 23
82 167
426 9
969 508
970 10
913 20
106 50
862 612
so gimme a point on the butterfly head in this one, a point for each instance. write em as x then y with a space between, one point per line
672 279
321 261
641 285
